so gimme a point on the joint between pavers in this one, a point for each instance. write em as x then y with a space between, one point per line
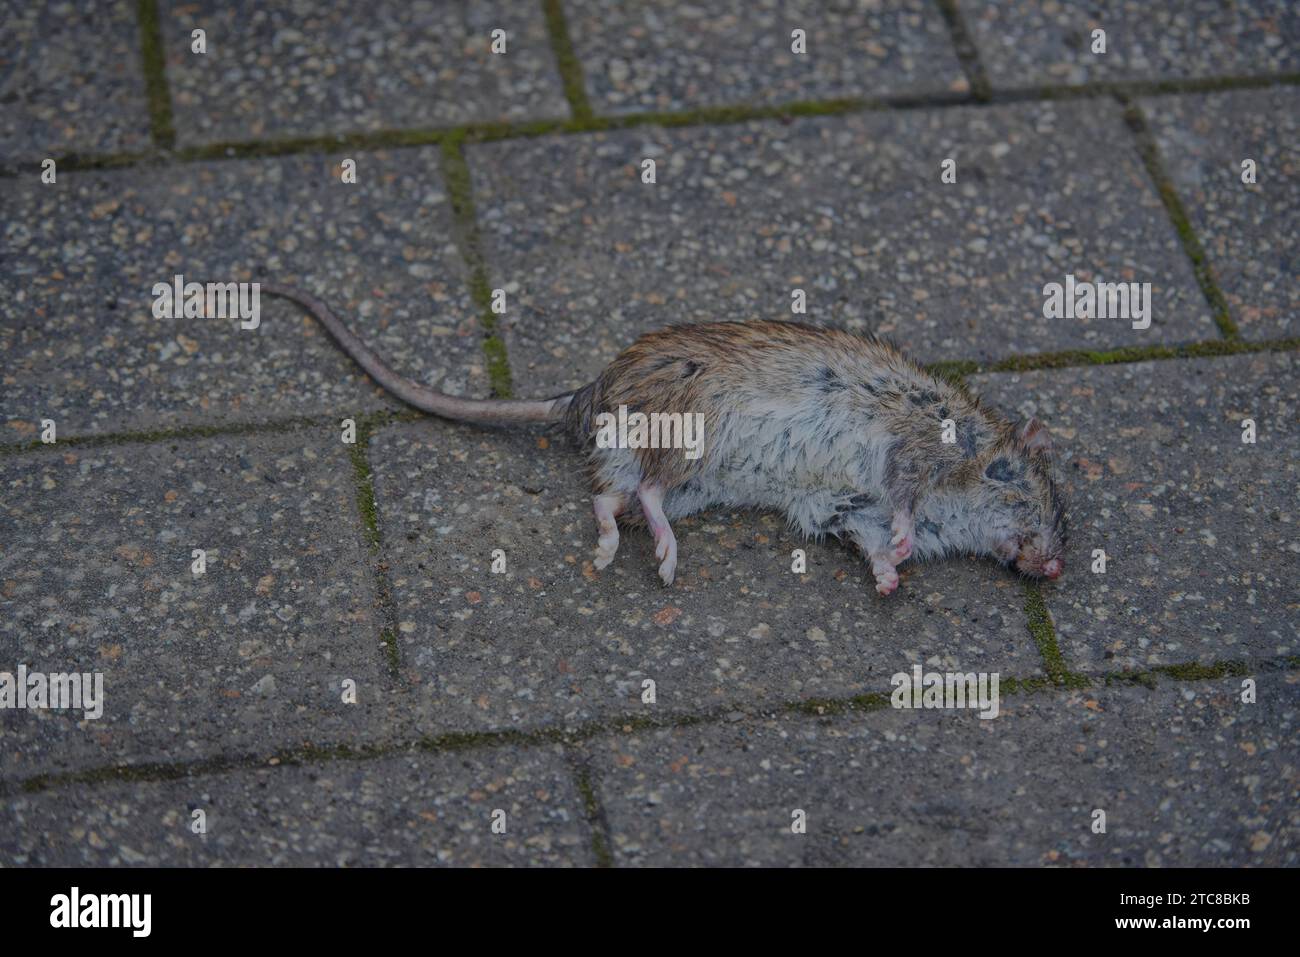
566 61
967 52
368 511
1150 153
955 371
1132 88
1041 628
153 64
456 176
93 440
496 131
1075 358
597 819
567 736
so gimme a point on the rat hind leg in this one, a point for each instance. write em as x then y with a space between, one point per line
607 508
652 503
903 532
876 538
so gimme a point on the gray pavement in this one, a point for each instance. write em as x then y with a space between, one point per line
71 80
399 651
848 209
301 69
1207 139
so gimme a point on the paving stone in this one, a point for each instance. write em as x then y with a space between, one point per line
70 81
1187 774
316 68
78 339
1028 42
1249 232
662 55
551 640
1199 529
414 810
848 208
95 576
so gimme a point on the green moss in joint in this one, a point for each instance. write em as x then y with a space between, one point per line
1041 629
1192 671
460 188
595 817
498 366
165 435
154 64
566 61
1150 153
953 371
1196 671
368 510
365 487
822 707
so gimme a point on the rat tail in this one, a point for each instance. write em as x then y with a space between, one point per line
410 391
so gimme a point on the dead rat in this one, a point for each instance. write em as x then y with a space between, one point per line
842 433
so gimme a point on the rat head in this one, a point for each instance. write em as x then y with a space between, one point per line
1027 527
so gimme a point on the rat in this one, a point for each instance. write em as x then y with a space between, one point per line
842 433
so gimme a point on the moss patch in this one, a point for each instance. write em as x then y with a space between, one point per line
566 61
168 435
368 511
1174 207
1041 629
154 64
595 814
456 175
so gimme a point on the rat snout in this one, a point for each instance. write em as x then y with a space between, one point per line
1040 568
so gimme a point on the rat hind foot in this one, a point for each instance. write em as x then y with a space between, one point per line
903 537
607 508
652 503
872 537
886 574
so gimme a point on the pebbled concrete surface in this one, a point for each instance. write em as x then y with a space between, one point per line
80 341
1186 776
96 576
552 640
1247 230
70 81
1026 42
412 810
664 56
313 68
851 210
523 690
1198 528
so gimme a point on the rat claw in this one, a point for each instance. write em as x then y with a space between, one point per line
886 574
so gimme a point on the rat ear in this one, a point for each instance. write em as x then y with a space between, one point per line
1036 437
